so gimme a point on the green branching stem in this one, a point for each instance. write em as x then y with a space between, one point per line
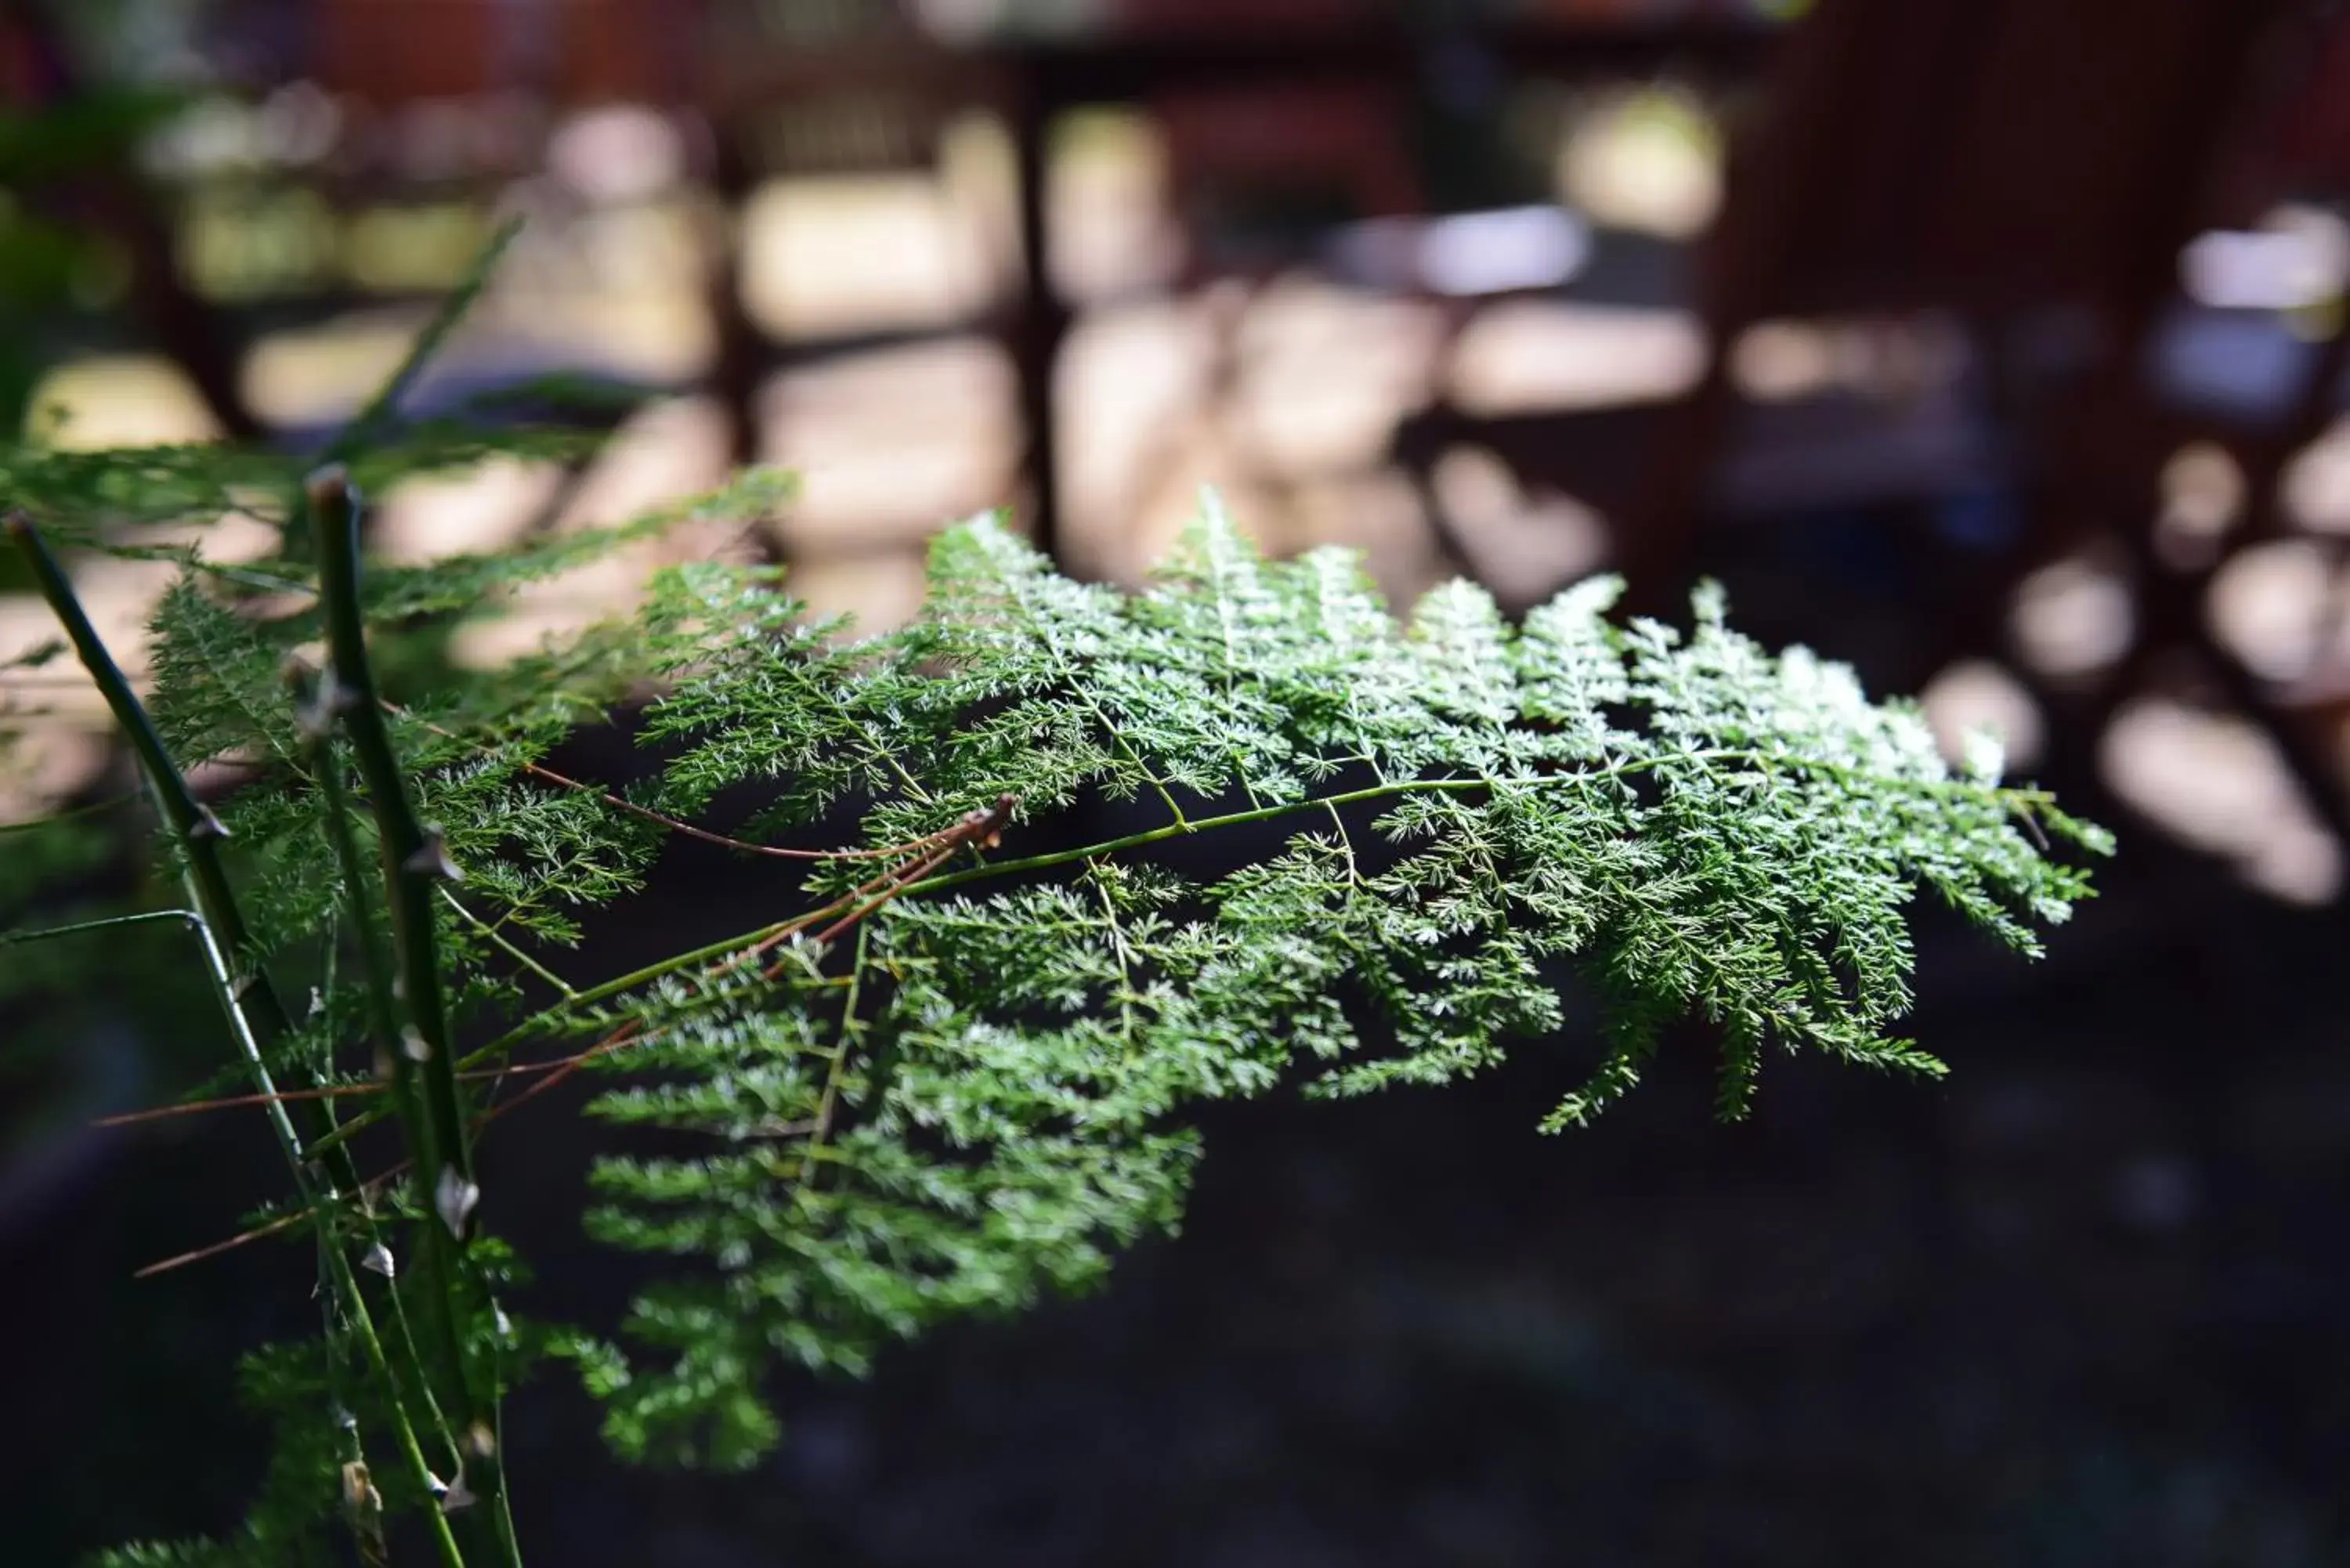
2019 800
2023 804
504 1045
495 938
245 996
1618 1071
372 421
191 824
383 1019
345 1281
414 863
85 928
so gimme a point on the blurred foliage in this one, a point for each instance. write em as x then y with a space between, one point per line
57 266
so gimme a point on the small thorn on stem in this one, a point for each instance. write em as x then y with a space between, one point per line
431 858
454 1200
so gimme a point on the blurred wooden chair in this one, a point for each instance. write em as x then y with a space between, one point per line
2031 170
1948 157
1943 156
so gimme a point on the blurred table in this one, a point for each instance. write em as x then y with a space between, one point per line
1035 74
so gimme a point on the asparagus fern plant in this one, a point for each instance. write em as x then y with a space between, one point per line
954 1071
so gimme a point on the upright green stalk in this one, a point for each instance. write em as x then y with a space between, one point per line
195 831
343 1281
244 993
192 825
414 857
424 1062
376 418
375 975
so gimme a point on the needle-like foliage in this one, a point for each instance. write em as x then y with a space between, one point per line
977 1092
955 1069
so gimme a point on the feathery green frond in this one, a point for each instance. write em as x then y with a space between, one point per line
976 1092
956 1070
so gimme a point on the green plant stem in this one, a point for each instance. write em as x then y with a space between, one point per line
371 420
414 864
193 828
2023 801
375 975
289 1141
492 935
2018 799
195 831
523 1032
410 857
346 1283
367 1524
219 927
80 927
412 1452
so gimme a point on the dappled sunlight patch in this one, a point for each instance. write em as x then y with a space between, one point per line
2217 782
1975 696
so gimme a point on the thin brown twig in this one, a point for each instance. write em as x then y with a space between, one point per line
282 1222
364 1192
320 1092
627 1033
983 828
675 825
556 1071
234 1102
893 885
886 885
